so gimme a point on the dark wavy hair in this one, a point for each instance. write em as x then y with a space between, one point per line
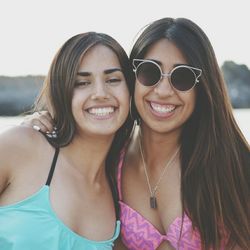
57 91
215 158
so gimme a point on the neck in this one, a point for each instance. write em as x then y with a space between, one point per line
87 156
158 170
158 147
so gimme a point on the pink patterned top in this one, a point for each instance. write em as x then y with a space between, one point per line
139 234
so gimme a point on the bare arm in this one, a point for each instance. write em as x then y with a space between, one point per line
17 152
6 147
12 146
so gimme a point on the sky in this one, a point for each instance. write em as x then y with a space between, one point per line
32 31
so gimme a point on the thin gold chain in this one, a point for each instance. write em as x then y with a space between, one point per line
153 190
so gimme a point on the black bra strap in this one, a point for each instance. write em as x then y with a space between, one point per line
52 168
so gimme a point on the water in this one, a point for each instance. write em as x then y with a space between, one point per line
242 117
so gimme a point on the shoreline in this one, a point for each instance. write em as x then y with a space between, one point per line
242 117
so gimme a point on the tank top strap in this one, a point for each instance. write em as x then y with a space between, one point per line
119 172
53 165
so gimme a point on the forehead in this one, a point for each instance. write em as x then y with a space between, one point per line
99 57
165 51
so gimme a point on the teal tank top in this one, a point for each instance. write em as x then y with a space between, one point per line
31 224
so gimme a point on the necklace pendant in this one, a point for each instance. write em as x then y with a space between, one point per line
153 203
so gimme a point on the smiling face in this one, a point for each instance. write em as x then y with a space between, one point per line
162 108
100 102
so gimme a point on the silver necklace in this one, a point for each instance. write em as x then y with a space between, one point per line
152 190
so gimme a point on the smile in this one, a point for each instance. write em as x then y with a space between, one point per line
102 111
162 108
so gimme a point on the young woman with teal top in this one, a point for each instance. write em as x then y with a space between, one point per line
59 193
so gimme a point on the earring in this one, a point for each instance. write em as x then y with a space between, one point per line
130 108
135 118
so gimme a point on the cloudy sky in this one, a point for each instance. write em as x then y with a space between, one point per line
32 31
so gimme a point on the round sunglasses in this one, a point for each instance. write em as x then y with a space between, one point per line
182 77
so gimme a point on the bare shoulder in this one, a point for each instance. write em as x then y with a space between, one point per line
25 154
20 138
19 146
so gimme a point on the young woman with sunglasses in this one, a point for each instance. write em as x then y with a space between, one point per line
191 162
183 178
57 193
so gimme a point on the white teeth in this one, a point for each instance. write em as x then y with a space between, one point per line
162 108
101 111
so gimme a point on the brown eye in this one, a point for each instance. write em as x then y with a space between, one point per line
113 81
82 83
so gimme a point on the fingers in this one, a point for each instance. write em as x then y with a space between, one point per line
46 121
36 127
41 121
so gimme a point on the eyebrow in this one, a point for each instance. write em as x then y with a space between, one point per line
107 71
156 61
83 73
175 65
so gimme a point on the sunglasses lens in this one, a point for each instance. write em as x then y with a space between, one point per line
148 74
183 79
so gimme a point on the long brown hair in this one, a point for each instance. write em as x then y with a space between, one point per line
57 92
215 156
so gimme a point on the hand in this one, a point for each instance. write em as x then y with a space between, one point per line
40 121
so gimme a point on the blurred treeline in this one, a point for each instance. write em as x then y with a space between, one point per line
237 78
17 94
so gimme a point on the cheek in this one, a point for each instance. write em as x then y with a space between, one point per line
122 97
190 101
125 93
140 95
77 102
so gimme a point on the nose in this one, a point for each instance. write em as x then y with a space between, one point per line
100 90
164 87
